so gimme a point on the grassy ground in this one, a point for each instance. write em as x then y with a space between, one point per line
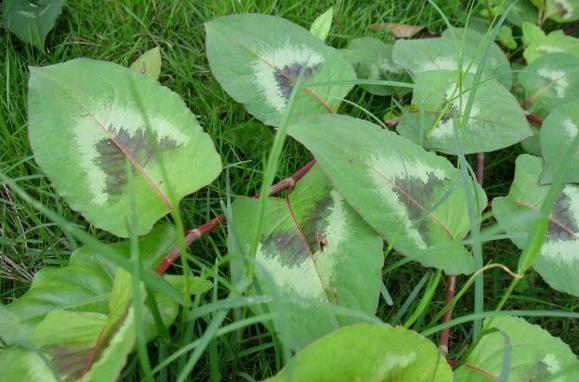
119 31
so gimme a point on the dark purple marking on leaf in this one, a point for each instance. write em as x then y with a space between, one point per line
69 361
416 197
561 10
112 160
567 228
286 77
289 247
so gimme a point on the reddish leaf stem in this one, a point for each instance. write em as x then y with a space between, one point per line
535 120
192 235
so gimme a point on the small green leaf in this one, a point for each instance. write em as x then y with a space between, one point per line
535 354
505 37
496 119
365 352
555 42
412 197
550 81
322 24
519 210
97 117
148 64
562 11
31 21
314 246
558 131
267 65
372 60
441 54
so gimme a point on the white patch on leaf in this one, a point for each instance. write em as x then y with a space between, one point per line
570 128
384 172
335 233
446 63
264 69
90 130
552 363
392 361
565 252
550 49
558 80
445 128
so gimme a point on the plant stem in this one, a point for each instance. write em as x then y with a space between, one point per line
451 280
192 235
534 119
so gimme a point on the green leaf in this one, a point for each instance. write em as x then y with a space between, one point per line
496 119
532 34
365 352
541 45
267 66
149 64
98 117
505 37
253 138
19 364
62 327
314 246
372 60
550 81
562 11
522 12
518 211
424 55
413 198
535 354
557 132
31 21
322 24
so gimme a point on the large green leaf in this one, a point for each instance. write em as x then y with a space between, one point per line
413 198
517 214
550 81
372 59
313 246
369 353
538 44
30 20
260 69
562 11
443 53
558 131
535 355
103 120
495 121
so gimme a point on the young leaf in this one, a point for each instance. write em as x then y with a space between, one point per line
505 37
535 354
366 352
562 11
322 24
30 20
372 60
149 64
413 198
267 65
517 214
97 117
540 45
403 30
558 131
550 81
314 246
496 119
424 55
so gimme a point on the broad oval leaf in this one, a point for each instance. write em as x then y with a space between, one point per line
496 119
517 214
104 120
557 132
424 55
550 81
372 60
266 66
555 42
562 11
149 63
366 352
313 247
412 197
535 354
30 20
